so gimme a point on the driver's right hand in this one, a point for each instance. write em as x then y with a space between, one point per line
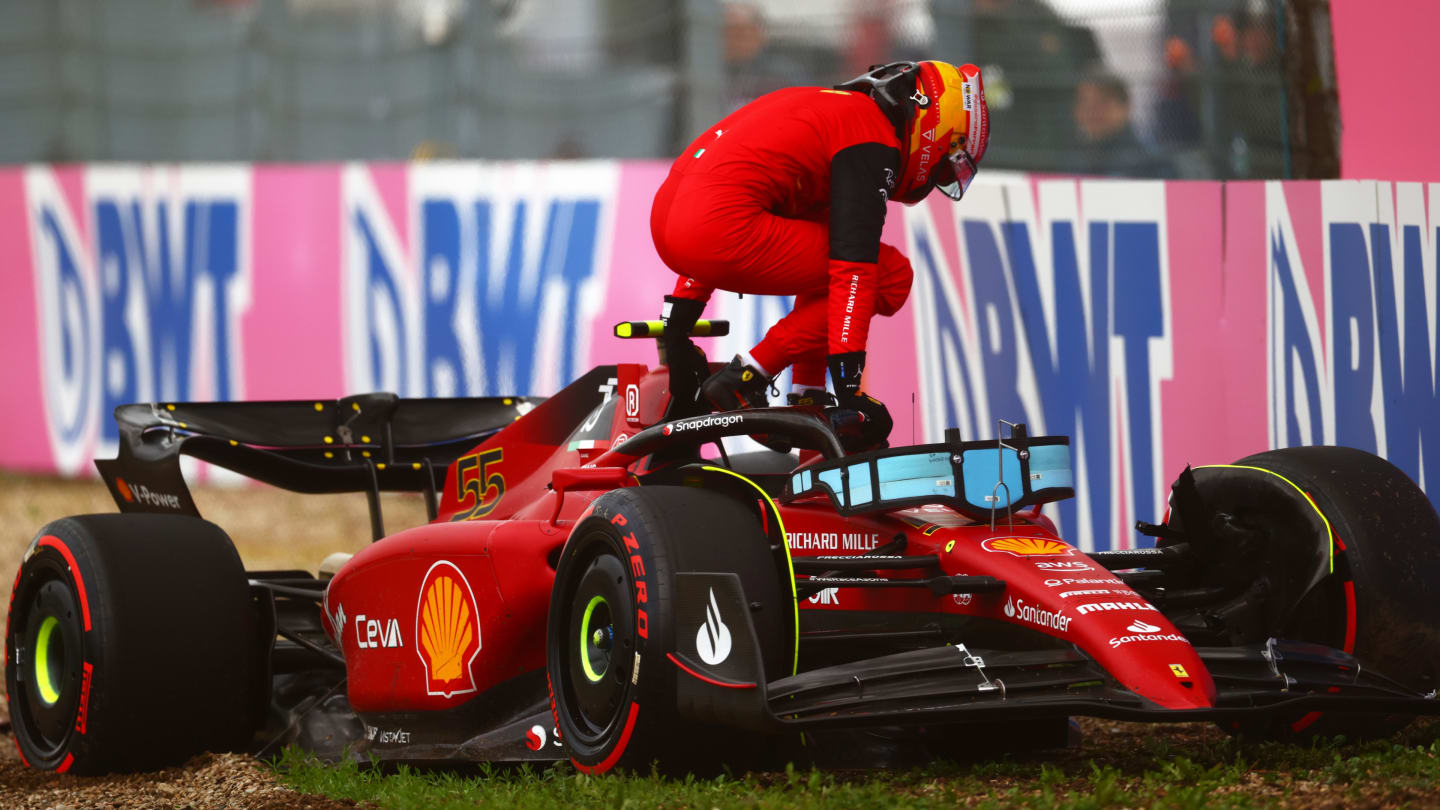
861 422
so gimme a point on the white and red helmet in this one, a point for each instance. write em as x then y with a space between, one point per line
941 117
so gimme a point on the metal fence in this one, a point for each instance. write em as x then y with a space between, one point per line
1167 88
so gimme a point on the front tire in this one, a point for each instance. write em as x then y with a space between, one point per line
611 622
133 643
1378 603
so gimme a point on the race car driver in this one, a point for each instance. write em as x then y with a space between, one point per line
787 196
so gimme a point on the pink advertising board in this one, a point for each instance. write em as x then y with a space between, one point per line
1159 324
1383 77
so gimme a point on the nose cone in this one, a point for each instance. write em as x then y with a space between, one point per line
1054 589
1174 686
1152 659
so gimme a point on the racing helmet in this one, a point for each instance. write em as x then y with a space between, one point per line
942 121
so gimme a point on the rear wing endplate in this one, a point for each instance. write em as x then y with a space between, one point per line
364 443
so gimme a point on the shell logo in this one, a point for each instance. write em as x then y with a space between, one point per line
1028 546
447 624
124 489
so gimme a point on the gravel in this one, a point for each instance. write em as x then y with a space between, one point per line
315 526
208 780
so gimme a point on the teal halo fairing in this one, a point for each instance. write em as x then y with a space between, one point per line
974 477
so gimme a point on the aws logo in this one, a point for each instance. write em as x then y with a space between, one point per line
447 624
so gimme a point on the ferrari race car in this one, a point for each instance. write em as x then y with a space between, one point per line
601 581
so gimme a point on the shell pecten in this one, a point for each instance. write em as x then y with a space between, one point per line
1027 546
446 629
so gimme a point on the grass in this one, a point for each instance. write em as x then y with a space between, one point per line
1149 770
1119 764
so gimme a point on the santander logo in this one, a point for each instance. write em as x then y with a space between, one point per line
1145 631
1033 614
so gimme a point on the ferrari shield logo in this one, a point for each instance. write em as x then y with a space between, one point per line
1179 671
447 626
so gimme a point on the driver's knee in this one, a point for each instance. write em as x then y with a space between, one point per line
893 280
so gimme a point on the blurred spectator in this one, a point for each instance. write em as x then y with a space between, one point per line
752 66
881 31
1177 108
569 148
1252 97
635 32
1242 83
1108 144
554 35
1031 59
434 150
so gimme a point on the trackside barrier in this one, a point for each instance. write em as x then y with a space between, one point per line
1155 323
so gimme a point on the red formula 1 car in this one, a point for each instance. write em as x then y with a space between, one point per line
600 583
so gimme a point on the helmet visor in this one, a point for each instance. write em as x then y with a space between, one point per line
955 174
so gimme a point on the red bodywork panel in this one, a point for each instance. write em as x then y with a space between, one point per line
412 642
429 618
494 541
1050 587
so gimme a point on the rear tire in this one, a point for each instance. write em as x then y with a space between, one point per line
601 628
1379 602
136 642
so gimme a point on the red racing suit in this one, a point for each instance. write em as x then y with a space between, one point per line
787 196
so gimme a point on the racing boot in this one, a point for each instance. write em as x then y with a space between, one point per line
737 385
810 398
686 361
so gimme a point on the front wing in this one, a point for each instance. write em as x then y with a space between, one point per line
953 684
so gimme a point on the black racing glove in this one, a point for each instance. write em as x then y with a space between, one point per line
874 423
688 366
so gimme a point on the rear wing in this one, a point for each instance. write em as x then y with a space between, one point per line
364 443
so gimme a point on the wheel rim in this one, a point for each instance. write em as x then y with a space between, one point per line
46 689
596 638
597 654
49 660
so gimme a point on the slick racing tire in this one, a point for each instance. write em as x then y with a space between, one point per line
1379 602
133 645
611 623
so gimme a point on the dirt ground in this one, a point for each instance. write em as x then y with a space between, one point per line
272 529
277 529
